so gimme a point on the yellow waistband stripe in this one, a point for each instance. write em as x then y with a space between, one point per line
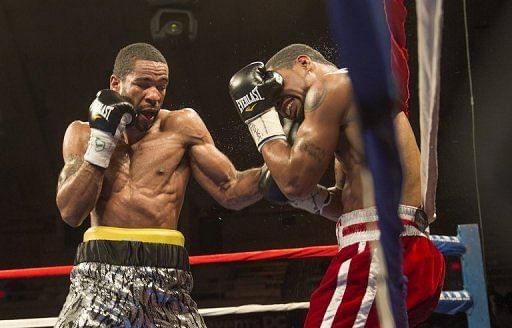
147 235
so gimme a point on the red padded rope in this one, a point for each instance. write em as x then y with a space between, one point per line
272 254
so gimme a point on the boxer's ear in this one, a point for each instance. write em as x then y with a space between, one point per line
305 61
115 83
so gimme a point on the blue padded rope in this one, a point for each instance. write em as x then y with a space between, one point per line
360 29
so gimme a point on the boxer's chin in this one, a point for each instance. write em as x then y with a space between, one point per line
143 124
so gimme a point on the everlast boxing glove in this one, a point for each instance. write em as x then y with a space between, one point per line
254 91
109 114
313 203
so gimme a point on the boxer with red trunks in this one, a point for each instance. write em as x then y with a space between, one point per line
299 83
346 295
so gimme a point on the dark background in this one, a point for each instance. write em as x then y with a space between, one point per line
55 55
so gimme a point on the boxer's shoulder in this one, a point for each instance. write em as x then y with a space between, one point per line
330 95
77 131
337 81
172 118
185 121
78 126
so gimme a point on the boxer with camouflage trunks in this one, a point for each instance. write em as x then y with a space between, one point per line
128 167
130 278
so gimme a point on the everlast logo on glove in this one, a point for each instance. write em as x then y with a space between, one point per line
249 99
100 110
254 91
109 115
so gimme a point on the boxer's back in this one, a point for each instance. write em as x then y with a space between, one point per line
350 153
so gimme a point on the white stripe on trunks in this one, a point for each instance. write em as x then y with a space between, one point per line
341 286
368 235
369 295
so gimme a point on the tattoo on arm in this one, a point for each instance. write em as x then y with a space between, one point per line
315 99
313 150
72 164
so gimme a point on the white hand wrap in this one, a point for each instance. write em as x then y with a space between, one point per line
100 149
315 202
265 128
102 144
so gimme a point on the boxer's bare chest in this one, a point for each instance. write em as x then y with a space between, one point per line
149 164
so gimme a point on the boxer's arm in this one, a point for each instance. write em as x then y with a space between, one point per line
216 174
335 208
79 182
339 174
298 168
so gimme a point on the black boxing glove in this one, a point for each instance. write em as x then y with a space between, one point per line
109 114
313 203
254 91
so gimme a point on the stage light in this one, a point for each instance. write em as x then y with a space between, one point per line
173 21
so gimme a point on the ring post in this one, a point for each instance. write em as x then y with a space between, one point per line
473 276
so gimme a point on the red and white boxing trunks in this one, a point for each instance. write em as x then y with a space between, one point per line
346 295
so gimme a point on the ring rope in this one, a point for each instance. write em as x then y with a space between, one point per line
450 302
446 244
207 312
461 297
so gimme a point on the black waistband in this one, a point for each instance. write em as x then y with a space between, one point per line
133 253
420 218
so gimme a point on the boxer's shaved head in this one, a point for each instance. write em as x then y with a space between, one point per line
285 58
127 56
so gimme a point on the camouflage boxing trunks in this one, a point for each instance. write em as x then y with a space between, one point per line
130 284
